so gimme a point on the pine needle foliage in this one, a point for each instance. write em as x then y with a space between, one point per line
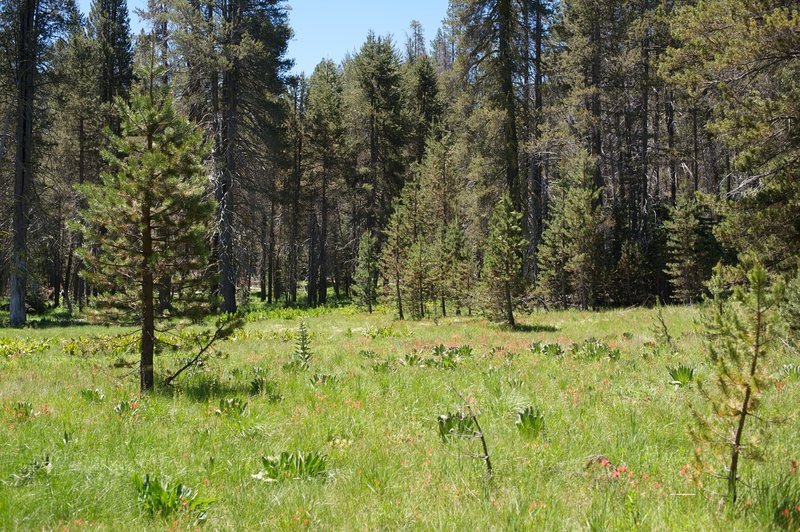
742 332
148 217
502 266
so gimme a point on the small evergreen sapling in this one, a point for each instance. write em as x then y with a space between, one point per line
741 333
149 216
366 274
502 268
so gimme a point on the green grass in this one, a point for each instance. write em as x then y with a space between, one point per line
71 462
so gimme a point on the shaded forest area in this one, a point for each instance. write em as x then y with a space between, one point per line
534 153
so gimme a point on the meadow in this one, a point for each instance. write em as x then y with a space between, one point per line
606 445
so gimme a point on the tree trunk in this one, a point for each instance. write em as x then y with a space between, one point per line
509 306
262 273
23 163
224 193
147 343
596 148
322 280
672 165
509 98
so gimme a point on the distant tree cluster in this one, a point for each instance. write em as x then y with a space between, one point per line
537 153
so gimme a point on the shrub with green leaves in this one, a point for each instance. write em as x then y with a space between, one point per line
323 379
160 498
130 407
16 347
456 425
530 422
791 371
301 356
549 350
231 407
594 349
681 375
93 396
264 386
105 345
293 466
23 410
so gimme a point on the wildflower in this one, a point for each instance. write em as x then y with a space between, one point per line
785 512
684 469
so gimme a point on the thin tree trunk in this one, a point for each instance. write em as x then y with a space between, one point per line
23 163
147 344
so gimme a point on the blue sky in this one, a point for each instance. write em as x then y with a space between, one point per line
332 28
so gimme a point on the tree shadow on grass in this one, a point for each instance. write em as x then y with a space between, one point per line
202 388
533 328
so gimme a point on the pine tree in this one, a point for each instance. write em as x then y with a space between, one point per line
568 254
502 265
395 250
455 272
149 215
683 266
366 274
742 332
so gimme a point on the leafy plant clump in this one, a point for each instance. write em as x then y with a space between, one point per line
113 346
264 386
231 407
530 422
293 466
24 410
791 371
441 357
301 356
93 396
681 375
130 408
594 349
456 425
323 379
549 350
16 347
161 499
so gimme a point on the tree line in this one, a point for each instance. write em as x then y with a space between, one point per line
535 153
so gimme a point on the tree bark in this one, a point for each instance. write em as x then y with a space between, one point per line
147 344
23 162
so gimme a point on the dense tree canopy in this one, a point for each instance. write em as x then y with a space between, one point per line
598 121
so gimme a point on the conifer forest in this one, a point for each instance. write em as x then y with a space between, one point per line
535 268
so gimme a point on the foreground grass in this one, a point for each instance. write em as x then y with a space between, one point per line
376 422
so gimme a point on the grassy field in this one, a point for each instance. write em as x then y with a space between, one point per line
613 453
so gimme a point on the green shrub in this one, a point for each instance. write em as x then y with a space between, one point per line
301 356
681 375
93 396
550 350
530 422
16 347
161 499
322 379
456 425
264 386
231 407
293 466
594 349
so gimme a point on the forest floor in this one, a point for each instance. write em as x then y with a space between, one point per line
614 453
